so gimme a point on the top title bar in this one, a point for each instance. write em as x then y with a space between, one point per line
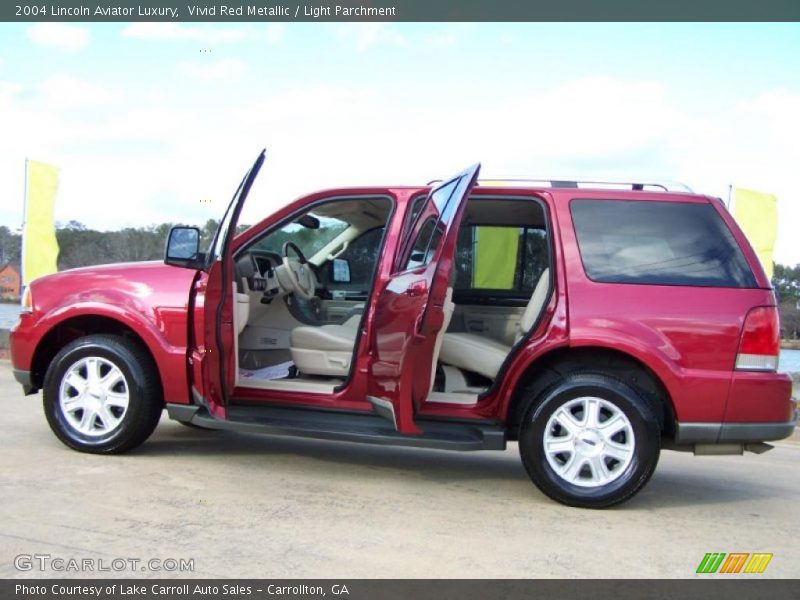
403 10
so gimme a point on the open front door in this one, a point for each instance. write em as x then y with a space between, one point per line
410 308
216 291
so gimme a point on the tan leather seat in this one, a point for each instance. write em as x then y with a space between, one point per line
328 349
448 309
479 354
324 350
473 352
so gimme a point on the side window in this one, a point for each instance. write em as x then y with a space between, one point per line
430 234
500 258
424 246
416 206
362 254
661 243
534 258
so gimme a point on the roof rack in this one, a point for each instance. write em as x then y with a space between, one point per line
640 185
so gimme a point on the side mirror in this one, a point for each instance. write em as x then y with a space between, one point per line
340 270
183 248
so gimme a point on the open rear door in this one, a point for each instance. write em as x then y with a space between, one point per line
410 308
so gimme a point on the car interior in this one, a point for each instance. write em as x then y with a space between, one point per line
300 292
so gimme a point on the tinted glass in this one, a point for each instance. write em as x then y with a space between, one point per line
419 202
665 243
424 245
529 254
362 254
441 199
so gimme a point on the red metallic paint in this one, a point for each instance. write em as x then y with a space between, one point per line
687 336
150 298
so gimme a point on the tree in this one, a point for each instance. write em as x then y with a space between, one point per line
10 247
786 281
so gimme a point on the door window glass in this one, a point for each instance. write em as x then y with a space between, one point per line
424 246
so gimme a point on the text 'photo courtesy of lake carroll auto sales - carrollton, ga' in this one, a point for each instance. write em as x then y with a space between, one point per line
209 10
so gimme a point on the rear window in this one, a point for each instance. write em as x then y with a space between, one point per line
662 243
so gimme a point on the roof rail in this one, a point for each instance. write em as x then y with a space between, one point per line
639 185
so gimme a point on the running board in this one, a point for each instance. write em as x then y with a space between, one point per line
344 426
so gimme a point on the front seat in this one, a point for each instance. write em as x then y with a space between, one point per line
328 349
324 350
483 355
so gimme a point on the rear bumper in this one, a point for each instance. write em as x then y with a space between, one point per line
760 408
736 433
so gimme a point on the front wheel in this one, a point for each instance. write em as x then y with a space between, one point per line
102 395
590 440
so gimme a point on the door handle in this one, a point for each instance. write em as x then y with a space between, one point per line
417 289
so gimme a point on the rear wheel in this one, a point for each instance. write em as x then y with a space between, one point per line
102 395
590 440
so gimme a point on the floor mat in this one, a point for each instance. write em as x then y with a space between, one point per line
279 371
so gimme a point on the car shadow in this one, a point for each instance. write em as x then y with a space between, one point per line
437 465
669 487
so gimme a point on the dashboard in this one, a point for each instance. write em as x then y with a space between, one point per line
257 269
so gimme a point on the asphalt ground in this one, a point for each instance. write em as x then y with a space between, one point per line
259 506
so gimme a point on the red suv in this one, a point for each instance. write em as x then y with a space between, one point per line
594 326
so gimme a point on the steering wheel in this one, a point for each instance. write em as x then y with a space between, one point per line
299 273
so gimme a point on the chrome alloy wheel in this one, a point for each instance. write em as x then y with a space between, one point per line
94 396
589 442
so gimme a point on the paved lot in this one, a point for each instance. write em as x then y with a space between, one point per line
247 505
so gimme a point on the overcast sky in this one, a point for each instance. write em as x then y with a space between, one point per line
158 122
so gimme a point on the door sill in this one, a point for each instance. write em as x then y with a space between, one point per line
468 398
349 427
298 384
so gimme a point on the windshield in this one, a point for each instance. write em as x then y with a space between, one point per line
310 241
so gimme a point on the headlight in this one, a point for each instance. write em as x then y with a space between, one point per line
27 300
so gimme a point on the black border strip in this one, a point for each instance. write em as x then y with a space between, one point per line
401 10
706 587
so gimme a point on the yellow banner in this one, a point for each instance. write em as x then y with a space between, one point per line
757 215
39 244
495 260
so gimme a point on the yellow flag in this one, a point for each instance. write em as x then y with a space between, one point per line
757 215
495 257
39 244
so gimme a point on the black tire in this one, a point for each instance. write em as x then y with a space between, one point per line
641 412
141 381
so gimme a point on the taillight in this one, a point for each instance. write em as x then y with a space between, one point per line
760 344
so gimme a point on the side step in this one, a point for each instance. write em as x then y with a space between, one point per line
344 426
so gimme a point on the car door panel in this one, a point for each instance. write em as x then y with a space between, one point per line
410 307
218 362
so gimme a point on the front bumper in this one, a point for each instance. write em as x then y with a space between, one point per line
22 342
25 380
